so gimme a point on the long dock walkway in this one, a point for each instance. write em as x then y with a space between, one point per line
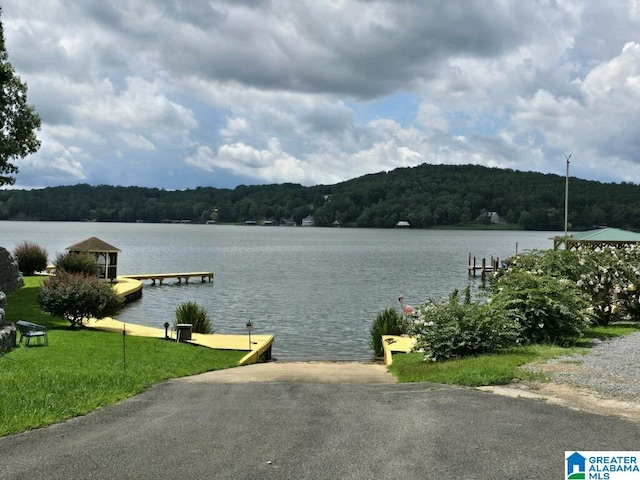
160 277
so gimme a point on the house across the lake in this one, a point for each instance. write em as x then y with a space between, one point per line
403 224
308 221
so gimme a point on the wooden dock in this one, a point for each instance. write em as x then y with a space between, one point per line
258 348
160 277
396 344
484 268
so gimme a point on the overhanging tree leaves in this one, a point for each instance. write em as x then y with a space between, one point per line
18 120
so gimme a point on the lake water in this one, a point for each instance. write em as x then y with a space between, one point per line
316 289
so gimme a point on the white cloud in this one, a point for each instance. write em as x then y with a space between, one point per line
136 141
141 105
235 127
62 166
270 164
305 91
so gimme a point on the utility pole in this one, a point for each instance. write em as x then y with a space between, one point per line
566 199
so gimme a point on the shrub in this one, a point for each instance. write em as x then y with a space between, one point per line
387 322
609 276
31 258
82 263
75 297
611 281
191 312
452 329
557 263
549 309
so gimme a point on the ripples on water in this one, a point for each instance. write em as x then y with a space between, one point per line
316 289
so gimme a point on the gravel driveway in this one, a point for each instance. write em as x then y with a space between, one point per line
604 380
611 368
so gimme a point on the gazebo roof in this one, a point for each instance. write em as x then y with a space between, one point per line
92 244
599 238
608 234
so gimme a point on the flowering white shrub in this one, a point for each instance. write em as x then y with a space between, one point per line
452 329
610 281
549 309
608 276
541 296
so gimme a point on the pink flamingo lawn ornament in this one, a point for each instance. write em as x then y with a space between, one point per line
407 309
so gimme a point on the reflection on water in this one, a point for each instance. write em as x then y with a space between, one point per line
316 289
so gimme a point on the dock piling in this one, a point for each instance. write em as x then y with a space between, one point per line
484 268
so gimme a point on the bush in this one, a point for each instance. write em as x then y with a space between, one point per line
191 312
556 263
549 309
31 258
608 276
75 297
611 281
387 322
451 329
82 263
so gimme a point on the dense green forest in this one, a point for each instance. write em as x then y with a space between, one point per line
426 196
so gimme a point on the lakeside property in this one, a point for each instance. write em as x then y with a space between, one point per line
298 284
85 369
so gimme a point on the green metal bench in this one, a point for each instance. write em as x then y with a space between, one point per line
30 330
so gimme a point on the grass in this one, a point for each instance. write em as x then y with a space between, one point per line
605 333
83 370
495 369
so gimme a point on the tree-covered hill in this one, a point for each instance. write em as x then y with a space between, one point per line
425 196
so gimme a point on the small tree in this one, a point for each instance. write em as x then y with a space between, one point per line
75 297
82 263
31 258
191 312
18 120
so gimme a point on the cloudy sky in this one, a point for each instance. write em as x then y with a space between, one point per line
179 94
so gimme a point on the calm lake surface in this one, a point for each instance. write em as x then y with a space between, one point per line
316 289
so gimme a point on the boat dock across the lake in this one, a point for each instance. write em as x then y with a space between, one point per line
484 268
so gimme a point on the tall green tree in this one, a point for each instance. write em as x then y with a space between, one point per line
18 120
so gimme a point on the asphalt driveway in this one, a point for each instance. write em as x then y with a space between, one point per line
201 428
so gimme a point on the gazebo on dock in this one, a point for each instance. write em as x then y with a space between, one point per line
597 239
106 255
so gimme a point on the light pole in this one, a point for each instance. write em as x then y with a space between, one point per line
249 328
566 200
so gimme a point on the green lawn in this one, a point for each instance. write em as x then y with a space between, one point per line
83 370
495 369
